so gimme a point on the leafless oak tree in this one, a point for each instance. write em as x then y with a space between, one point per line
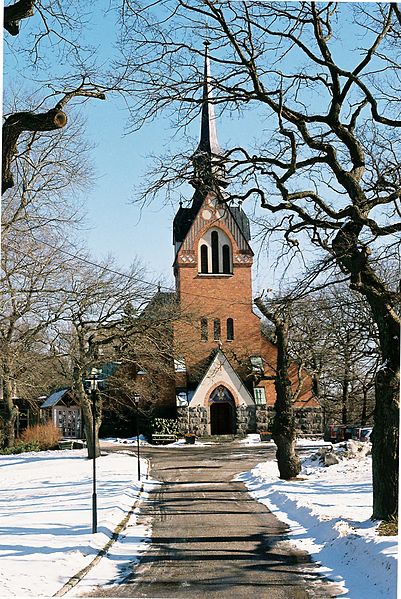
283 428
324 79
90 328
51 38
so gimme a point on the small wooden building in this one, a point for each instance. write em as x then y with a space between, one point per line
61 408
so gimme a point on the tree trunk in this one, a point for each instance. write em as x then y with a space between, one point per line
283 428
364 415
344 399
385 451
88 426
9 411
85 401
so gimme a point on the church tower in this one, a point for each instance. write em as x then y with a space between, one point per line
213 258
213 270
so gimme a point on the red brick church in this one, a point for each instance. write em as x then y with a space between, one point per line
223 364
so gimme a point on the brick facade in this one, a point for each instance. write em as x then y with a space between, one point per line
226 298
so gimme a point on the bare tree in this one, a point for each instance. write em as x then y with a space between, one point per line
283 428
30 303
338 343
53 36
91 325
326 165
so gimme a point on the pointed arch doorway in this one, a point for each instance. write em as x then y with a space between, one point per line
222 412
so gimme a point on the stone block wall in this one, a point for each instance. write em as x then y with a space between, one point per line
246 420
309 420
192 420
249 419
263 416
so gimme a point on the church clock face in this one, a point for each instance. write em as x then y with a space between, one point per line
206 214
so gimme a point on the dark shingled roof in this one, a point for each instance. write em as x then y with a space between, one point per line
160 299
186 216
242 221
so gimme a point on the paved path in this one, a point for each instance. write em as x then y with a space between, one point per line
210 539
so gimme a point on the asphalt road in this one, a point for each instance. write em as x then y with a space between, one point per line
210 538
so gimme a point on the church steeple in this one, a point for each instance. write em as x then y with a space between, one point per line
208 158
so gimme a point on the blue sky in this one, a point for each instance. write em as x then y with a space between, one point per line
117 226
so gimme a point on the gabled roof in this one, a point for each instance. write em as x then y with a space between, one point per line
186 216
220 371
54 398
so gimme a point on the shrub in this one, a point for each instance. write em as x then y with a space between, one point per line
165 426
46 436
21 448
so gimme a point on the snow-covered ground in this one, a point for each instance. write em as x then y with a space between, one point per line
328 513
46 517
45 521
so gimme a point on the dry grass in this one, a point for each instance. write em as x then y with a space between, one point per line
46 435
388 529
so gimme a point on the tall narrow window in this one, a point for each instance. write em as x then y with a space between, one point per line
217 329
230 329
215 252
204 259
226 259
204 329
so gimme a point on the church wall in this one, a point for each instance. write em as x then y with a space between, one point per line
217 297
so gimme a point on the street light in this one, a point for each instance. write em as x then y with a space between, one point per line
93 388
136 402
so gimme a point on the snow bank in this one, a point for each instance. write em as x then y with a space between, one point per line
46 516
328 513
124 441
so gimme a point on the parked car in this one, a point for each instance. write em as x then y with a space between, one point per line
334 433
362 433
342 432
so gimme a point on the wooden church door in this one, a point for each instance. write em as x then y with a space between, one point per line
222 412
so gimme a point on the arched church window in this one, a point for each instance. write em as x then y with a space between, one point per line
204 258
204 334
230 329
215 252
226 259
217 329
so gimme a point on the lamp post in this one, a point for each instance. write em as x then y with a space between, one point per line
136 402
93 387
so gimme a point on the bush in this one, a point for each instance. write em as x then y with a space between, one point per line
21 448
165 426
46 436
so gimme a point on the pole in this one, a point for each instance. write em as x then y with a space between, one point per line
94 498
137 443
